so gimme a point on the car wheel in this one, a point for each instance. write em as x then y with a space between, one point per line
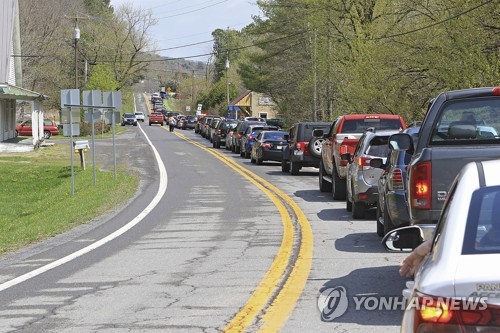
150 124
358 210
47 134
246 154
285 166
388 225
315 146
339 186
294 168
324 186
380 222
217 144
252 160
259 160
242 153
16 134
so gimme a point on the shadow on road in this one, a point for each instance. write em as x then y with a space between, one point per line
365 242
373 283
313 195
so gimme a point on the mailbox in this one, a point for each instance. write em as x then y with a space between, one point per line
81 145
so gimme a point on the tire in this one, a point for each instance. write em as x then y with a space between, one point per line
294 168
150 124
324 186
380 222
339 186
285 166
214 145
358 210
258 160
47 134
246 154
217 144
388 226
315 146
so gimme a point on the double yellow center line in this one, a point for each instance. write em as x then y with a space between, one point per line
278 292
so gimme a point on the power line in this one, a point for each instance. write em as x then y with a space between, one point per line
192 11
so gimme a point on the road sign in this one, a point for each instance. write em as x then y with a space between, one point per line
188 108
199 107
70 97
92 97
113 99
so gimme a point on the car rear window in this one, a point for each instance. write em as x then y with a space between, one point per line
361 125
378 147
468 121
482 234
274 135
307 131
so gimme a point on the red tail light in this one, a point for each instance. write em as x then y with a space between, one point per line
421 186
496 91
455 315
266 145
300 146
239 136
397 179
219 131
364 161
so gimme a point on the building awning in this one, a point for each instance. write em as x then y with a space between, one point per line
8 91
244 99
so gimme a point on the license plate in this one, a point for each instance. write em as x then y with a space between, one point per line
279 147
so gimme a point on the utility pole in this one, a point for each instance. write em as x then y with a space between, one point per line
77 38
315 97
227 83
192 90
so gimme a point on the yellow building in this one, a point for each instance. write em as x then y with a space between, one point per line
253 104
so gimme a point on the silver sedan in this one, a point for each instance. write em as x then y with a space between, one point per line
457 288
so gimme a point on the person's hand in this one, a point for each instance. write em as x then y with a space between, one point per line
412 263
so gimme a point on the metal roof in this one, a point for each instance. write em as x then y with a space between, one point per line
8 91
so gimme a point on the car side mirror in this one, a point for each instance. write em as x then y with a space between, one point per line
318 133
406 239
400 141
377 163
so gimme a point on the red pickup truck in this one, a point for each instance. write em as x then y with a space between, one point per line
156 118
342 138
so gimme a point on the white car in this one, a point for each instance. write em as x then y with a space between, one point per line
457 288
140 116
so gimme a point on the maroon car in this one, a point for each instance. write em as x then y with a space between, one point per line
49 128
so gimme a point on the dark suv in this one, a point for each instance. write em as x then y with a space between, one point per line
303 149
240 131
221 131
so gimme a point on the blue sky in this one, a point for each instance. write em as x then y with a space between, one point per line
183 22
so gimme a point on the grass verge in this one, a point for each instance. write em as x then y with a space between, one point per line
36 195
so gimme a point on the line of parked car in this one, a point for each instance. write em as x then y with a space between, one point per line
431 186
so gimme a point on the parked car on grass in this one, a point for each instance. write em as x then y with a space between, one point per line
129 119
25 128
268 146
303 149
456 287
362 179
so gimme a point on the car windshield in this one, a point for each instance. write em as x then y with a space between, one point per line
482 234
468 121
128 115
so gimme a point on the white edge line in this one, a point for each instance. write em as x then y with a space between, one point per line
161 191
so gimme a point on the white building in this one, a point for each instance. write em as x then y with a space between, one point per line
10 77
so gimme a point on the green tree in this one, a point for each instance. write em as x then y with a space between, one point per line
101 78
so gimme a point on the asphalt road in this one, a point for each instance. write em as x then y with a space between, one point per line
190 258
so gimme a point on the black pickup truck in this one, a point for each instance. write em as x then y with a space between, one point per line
460 126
